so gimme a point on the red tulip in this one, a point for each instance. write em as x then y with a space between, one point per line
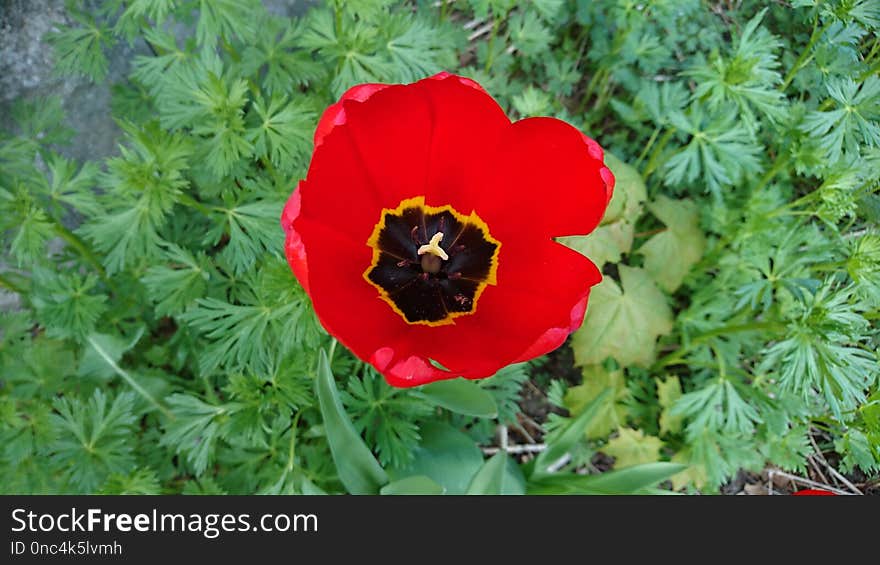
423 231
813 492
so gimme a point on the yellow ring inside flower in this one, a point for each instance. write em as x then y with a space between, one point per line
429 278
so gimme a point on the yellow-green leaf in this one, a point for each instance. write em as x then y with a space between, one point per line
629 192
623 323
670 254
605 245
614 236
668 391
633 447
611 414
695 475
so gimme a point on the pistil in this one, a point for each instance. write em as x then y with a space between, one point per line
433 255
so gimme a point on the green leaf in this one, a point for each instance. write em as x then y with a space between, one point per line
283 132
853 123
721 151
632 447
253 231
418 484
632 480
65 303
446 455
416 48
623 323
461 396
614 236
670 254
194 429
669 391
495 477
225 19
94 438
716 406
528 34
562 441
611 413
387 416
80 50
357 468
176 285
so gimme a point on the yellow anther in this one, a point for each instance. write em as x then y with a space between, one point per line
433 247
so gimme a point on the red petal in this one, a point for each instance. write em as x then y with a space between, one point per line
293 246
466 123
813 492
554 337
391 141
463 80
334 115
606 174
545 178
347 306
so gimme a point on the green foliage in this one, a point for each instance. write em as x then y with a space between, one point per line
623 321
160 344
93 438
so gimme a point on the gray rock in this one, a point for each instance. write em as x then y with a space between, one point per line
26 71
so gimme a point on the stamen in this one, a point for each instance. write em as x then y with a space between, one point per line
433 247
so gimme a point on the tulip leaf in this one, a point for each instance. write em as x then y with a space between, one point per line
562 441
670 254
623 321
461 396
418 484
357 467
445 455
632 480
498 475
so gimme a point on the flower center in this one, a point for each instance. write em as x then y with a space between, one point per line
430 264
433 255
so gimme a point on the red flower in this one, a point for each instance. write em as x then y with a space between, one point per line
423 230
813 492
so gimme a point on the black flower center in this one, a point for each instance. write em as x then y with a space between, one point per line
431 263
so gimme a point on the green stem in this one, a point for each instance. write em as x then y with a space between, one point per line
875 50
588 91
676 356
9 285
129 379
80 246
655 155
230 49
793 204
805 54
205 209
490 57
830 266
604 92
872 70
771 173
332 350
648 146
270 168
291 455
